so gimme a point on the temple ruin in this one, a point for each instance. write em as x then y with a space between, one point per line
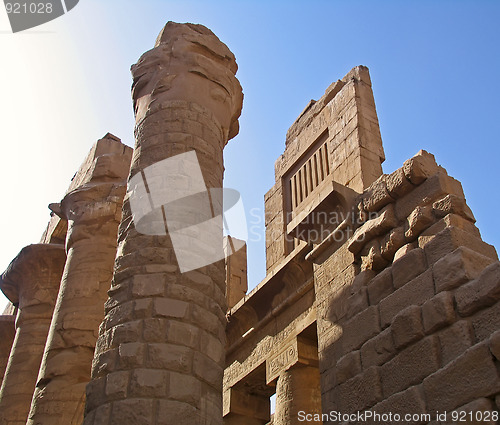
380 296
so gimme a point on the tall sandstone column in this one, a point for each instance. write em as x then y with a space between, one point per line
31 281
297 390
7 334
160 354
93 212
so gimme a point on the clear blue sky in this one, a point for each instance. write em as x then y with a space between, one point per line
434 67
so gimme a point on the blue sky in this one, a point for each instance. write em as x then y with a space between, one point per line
434 67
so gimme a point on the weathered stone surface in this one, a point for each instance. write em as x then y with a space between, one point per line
458 267
360 392
450 239
297 391
93 214
417 291
431 190
480 293
378 350
372 228
398 184
186 98
348 366
410 366
391 242
452 204
470 376
380 286
438 312
31 281
454 340
407 327
7 334
408 267
419 220
420 167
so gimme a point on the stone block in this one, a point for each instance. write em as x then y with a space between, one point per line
410 366
452 204
485 322
372 228
377 196
131 355
438 312
408 267
360 328
458 267
182 334
432 189
166 307
450 239
450 220
407 402
127 332
454 340
148 383
207 370
348 366
397 184
416 292
173 412
407 326
495 344
405 249
148 285
154 330
391 242
470 376
480 293
356 303
420 219
95 392
371 257
377 350
117 384
169 356
421 166
360 392
380 287
132 411
184 388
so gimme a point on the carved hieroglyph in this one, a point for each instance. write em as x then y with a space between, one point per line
160 354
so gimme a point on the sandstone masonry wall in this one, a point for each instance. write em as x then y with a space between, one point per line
408 308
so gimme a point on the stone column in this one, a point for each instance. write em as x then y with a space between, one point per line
31 281
297 389
93 212
7 334
160 354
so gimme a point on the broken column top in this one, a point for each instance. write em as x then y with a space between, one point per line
23 275
187 53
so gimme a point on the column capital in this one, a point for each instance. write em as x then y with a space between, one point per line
91 201
30 277
189 63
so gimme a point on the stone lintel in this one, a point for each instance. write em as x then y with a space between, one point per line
297 351
238 402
